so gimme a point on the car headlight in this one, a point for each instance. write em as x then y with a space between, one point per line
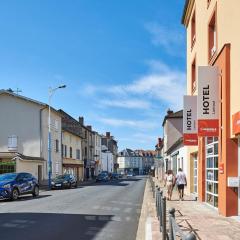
52 183
7 186
65 182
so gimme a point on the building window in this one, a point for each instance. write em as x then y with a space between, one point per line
62 149
193 29
70 151
212 171
193 75
208 3
65 151
56 145
78 153
212 36
85 151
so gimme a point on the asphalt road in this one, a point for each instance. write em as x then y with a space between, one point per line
101 211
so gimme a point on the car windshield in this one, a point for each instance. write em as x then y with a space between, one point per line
60 177
8 177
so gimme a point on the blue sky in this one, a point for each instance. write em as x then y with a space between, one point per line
123 61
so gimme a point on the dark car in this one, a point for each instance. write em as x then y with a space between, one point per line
103 176
115 176
12 185
64 181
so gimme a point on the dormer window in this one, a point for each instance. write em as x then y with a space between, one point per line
193 29
212 36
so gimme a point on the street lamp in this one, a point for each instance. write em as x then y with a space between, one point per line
50 94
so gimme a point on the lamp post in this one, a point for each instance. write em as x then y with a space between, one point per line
50 94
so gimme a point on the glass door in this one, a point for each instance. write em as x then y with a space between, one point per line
195 173
212 171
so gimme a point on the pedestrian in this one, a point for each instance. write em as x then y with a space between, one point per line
169 183
181 181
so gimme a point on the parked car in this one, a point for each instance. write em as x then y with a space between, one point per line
130 174
115 176
102 177
64 181
12 185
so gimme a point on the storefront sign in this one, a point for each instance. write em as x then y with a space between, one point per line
236 123
190 136
208 101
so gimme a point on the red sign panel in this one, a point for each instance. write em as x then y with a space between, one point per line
208 128
190 139
236 123
221 168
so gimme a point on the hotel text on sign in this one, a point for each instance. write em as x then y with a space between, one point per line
208 101
190 136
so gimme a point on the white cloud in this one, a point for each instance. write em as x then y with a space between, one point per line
169 38
137 124
161 83
126 103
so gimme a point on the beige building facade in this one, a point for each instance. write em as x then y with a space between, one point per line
213 40
24 136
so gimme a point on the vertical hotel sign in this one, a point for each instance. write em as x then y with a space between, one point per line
208 101
190 137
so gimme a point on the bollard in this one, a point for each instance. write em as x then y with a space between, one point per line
171 217
153 189
164 220
191 236
160 210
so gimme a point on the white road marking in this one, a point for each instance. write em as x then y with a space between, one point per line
127 210
148 227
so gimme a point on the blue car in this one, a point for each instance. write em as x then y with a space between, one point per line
12 185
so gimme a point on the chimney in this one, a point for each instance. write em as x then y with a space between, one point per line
169 111
81 120
108 134
159 141
89 127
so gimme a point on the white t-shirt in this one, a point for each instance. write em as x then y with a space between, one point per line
169 178
181 178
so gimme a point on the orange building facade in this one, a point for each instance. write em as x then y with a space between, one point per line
213 39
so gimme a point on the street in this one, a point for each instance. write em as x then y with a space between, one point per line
97 211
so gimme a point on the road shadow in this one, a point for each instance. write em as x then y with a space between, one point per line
26 198
39 226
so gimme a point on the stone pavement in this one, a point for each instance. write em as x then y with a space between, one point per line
202 219
191 216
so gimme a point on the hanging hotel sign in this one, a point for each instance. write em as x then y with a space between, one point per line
236 123
208 101
190 136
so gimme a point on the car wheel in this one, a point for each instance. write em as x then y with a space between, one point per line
15 194
70 185
35 191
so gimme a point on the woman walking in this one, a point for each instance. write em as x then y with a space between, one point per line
169 180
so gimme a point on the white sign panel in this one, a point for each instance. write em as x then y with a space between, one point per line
233 182
208 101
190 136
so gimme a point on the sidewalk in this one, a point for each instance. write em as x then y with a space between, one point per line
202 219
148 227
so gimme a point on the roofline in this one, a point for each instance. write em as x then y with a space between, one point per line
187 12
44 105
171 116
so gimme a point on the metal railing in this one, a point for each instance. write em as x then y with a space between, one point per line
174 230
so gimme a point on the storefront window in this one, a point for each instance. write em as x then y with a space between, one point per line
212 171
